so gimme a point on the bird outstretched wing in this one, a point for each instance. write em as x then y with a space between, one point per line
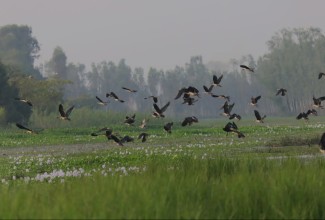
165 107
69 111
257 115
61 110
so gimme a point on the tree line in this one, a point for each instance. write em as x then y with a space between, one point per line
293 61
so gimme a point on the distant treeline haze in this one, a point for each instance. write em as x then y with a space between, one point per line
293 61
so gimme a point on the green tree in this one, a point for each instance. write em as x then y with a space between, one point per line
10 110
19 48
57 64
44 94
75 86
154 79
294 59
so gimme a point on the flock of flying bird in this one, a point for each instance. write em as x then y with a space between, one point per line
189 95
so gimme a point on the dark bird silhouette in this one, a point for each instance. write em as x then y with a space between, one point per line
101 102
208 90
236 116
312 112
302 115
129 90
114 96
189 100
28 102
191 91
318 102
231 127
281 91
143 136
65 115
154 98
244 67
127 138
28 130
258 117
322 143
98 132
189 121
180 93
254 100
129 120
110 136
217 81
159 111
227 108
221 96
168 127
115 139
320 75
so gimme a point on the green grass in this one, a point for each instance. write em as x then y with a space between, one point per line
276 171
186 188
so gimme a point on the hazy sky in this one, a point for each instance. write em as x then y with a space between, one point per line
158 33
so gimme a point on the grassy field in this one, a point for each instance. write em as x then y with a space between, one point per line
276 171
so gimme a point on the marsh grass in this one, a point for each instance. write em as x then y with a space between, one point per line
183 188
195 172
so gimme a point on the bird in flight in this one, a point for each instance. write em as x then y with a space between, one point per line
318 102
189 100
127 138
320 75
168 127
129 120
114 96
154 98
312 112
190 91
28 102
244 67
236 116
254 100
111 136
65 115
302 115
143 136
227 108
143 123
258 117
129 90
208 90
28 130
159 111
221 96
98 132
189 121
217 81
231 127
101 102
281 91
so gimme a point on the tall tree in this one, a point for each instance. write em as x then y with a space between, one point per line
154 78
19 48
57 64
76 85
10 110
294 59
